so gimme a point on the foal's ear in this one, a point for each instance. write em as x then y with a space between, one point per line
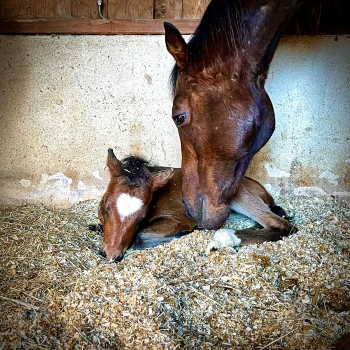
176 44
160 178
114 165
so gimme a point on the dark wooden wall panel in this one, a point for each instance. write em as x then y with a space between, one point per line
133 16
193 9
84 9
52 8
112 9
130 9
63 8
21 9
99 26
15 8
168 9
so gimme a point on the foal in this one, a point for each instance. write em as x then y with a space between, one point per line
142 207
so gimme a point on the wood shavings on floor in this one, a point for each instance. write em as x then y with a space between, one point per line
56 292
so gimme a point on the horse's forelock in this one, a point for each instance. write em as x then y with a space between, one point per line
221 17
135 171
224 16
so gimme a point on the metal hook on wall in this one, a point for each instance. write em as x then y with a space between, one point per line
99 5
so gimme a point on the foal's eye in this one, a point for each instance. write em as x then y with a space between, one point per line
179 119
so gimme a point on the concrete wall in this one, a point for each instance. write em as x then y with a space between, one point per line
64 100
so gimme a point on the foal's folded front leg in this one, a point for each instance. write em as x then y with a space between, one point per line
253 201
162 229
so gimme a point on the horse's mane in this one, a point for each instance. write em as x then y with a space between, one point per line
134 170
221 18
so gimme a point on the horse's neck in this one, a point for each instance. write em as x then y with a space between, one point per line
248 36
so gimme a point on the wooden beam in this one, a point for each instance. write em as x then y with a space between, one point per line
97 26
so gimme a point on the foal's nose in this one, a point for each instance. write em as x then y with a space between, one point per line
102 253
116 259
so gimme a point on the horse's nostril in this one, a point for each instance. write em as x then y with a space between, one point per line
102 253
187 208
119 257
200 208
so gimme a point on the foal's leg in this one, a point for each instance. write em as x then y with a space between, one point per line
255 202
146 240
162 230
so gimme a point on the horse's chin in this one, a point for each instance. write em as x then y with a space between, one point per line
206 215
213 220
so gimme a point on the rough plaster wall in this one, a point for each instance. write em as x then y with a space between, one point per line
65 100
309 85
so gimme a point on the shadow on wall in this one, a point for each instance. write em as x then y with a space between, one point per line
309 85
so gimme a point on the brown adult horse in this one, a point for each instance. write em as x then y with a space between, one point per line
222 111
142 207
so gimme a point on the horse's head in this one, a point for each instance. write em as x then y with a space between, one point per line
222 111
219 118
126 201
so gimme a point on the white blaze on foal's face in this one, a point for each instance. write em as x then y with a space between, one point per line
128 205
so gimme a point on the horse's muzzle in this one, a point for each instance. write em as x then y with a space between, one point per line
187 208
119 257
206 216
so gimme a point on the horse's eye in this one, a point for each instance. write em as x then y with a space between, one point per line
179 119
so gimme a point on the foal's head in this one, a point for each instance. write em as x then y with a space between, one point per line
222 111
126 201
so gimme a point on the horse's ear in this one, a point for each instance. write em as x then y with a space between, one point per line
114 165
176 44
160 178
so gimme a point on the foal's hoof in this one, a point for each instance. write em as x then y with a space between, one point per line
222 238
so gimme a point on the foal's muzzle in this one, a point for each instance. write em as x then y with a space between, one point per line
102 253
116 259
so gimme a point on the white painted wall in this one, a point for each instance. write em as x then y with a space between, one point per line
64 100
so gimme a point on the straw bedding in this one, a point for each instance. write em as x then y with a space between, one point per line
56 292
